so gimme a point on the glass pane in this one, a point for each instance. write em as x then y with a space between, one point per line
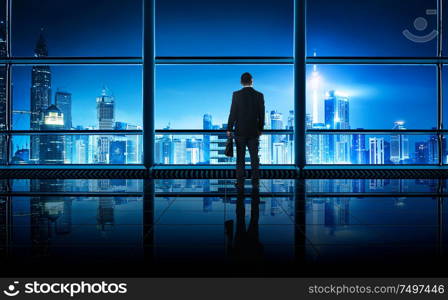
371 97
210 148
77 28
199 97
371 149
77 97
250 28
77 149
372 28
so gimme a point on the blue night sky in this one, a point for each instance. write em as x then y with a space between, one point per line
379 95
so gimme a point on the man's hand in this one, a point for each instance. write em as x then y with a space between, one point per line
229 134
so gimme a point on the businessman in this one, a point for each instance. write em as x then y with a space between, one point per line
246 120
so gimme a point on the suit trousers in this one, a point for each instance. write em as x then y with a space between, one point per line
252 143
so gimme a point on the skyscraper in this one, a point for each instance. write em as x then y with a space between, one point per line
433 149
337 117
399 145
63 101
207 125
192 151
51 146
318 146
421 153
359 153
276 120
337 111
40 95
276 140
376 151
105 108
133 146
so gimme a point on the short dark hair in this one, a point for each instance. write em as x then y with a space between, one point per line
246 78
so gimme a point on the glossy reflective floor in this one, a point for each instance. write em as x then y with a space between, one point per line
131 227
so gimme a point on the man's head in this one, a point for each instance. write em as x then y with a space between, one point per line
246 79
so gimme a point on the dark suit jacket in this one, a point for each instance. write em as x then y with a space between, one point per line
246 113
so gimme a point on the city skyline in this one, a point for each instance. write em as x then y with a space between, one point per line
53 115
276 149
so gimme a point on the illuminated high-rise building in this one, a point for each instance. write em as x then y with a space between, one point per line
80 153
337 111
359 152
207 125
164 153
179 146
421 153
105 107
40 95
133 146
276 139
337 117
51 146
192 151
376 151
399 145
319 146
276 120
433 149
80 146
63 100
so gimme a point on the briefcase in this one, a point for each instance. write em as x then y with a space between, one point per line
229 147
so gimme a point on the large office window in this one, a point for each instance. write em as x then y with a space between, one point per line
202 49
374 83
72 85
198 97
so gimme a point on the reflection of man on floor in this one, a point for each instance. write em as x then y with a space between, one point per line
245 245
